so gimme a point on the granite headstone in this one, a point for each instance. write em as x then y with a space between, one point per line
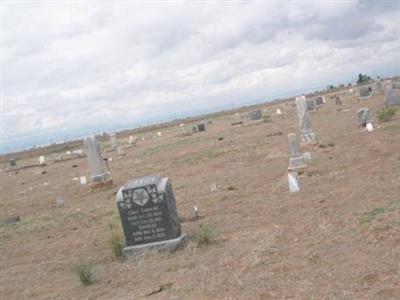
392 98
255 115
148 215
320 100
363 117
311 105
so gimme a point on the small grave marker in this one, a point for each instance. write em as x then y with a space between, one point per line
365 92
320 100
311 105
293 181
296 158
392 98
363 117
255 115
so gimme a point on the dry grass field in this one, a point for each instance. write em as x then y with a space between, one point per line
338 238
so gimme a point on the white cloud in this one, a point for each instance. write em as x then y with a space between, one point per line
68 66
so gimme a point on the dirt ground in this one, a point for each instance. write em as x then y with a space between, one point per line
338 238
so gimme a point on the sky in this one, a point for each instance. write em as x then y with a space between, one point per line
72 68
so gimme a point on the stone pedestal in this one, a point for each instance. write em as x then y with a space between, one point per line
167 245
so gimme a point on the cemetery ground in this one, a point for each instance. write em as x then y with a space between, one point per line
338 238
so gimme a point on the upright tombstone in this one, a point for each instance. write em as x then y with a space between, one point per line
379 86
396 85
99 175
311 105
365 92
307 135
201 127
194 129
363 117
149 217
13 162
392 98
113 141
338 101
255 115
132 140
296 158
42 161
320 100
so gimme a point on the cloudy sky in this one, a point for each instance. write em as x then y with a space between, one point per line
73 68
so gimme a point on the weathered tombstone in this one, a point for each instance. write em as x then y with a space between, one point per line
201 127
59 201
396 85
320 100
293 181
12 220
194 129
42 161
391 98
149 217
82 180
296 159
255 115
311 105
363 117
113 141
338 101
99 175
278 111
13 162
307 135
120 151
365 93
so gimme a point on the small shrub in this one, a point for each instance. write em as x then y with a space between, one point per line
205 235
386 114
116 243
84 270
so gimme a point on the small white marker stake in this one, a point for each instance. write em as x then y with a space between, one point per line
83 180
196 212
369 127
293 183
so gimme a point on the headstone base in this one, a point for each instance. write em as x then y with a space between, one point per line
103 184
296 163
167 245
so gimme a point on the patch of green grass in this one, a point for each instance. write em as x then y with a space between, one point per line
386 114
31 225
392 126
369 216
84 270
205 235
